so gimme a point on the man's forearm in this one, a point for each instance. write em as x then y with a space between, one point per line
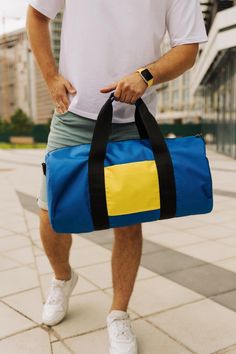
174 63
171 65
38 33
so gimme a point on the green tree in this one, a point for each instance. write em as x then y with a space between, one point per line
20 123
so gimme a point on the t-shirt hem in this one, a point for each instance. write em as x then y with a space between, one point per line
94 116
189 40
42 10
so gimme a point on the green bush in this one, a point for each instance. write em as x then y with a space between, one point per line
4 126
20 123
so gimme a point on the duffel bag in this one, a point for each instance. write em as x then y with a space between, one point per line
108 184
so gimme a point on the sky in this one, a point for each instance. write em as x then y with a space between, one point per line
12 8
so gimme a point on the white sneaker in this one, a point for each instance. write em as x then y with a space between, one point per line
122 339
56 306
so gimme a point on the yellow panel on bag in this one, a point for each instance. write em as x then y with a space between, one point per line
132 187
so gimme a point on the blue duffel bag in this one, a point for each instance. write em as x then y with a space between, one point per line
108 184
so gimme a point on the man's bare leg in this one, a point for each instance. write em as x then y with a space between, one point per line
126 256
56 246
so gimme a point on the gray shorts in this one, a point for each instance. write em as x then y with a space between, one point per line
70 129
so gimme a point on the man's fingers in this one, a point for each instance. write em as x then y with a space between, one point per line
62 100
65 100
133 99
59 89
70 88
109 88
123 97
60 106
117 93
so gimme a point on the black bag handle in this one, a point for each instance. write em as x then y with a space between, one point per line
148 129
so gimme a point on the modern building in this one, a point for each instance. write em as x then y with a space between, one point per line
56 35
214 78
21 84
176 104
14 82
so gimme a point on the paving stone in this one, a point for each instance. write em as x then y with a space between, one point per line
23 255
28 202
154 228
232 350
43 264
175 238
207 279
13 242
37 250
32 219
101 274
168 261
5 233
87 342
211 231
33 341
230 241
150 340
11 322
183 222
231 224
108 245
35 235
80 242
229 264
87 312
16 280
227 299
29 303
90 255
158 294
59 348
204 326
209 251
219 217
17 227
7 263
99 237
150 246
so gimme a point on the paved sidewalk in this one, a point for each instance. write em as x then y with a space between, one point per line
184 299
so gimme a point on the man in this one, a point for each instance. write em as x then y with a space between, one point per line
103 44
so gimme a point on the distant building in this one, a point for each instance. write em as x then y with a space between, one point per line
22 85
175 102
14 74
214 77
56 36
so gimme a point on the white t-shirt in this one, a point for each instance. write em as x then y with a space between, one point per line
103 41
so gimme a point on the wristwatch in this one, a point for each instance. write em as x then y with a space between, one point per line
146 76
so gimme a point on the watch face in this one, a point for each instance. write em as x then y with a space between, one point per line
146 73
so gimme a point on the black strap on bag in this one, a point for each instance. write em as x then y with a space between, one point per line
148 129
162 158
96 178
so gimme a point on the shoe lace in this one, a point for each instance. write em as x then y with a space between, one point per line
121 329
55 294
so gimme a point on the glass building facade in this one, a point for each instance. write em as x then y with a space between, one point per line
219 95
